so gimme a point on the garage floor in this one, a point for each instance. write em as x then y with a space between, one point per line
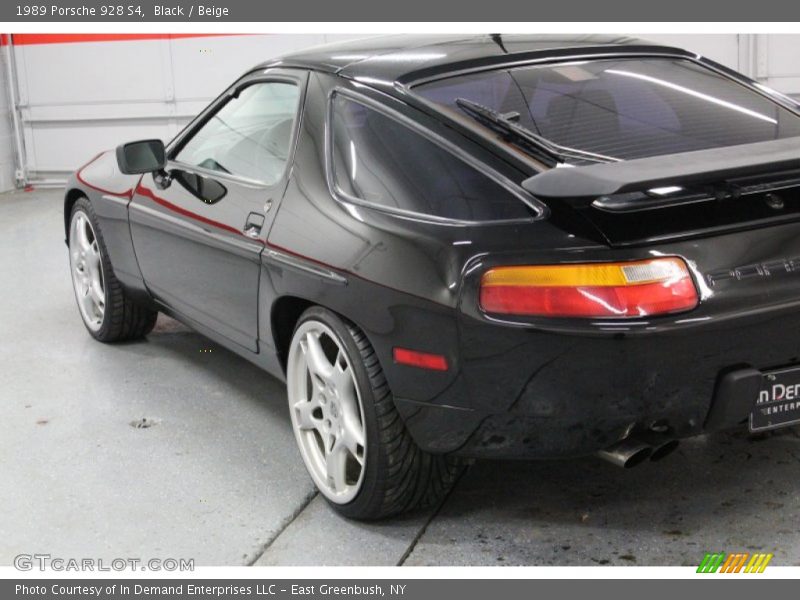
174 447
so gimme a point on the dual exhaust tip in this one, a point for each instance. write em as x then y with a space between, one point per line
635 449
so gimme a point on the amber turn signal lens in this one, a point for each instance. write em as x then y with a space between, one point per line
591 290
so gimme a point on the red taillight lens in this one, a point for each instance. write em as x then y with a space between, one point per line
593 290
423 360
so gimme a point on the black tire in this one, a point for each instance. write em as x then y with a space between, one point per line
399 476
123 319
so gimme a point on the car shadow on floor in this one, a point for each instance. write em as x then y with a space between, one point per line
727 489
172 342
723 467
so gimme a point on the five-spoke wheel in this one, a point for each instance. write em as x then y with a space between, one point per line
352 440
326 410
86 266
106 309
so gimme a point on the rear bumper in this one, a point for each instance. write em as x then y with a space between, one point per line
528 393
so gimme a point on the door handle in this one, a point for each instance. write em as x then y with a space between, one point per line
253 225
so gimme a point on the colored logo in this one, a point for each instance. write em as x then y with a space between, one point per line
740 562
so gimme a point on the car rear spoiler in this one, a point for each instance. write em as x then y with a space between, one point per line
582 186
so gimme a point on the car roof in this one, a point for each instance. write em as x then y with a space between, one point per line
406 58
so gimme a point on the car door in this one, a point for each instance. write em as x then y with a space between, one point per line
199 227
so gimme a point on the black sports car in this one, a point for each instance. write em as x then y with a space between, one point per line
491 246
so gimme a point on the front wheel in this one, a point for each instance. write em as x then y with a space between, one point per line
352 440
106 310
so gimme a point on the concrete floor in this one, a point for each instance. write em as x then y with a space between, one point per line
217 477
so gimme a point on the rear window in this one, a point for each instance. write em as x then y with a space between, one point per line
624 108
380 161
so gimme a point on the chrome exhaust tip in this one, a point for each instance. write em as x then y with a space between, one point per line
662 445
626 453
664 450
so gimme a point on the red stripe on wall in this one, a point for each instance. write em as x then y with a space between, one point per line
27 39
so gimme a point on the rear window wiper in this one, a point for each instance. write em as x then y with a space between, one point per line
505 124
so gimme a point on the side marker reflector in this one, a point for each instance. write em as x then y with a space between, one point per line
423 360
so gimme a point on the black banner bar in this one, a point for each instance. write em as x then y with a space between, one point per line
374 589
174 11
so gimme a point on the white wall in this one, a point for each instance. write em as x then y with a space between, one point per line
76 99
7 164
79 98
779 62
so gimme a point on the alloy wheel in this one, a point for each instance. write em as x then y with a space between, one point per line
86 267
326 411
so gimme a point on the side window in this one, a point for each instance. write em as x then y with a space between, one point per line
249 136
379 160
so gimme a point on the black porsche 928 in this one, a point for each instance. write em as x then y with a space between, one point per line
469 247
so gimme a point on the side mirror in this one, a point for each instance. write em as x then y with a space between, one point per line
137 158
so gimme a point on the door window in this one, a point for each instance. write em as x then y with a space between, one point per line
250 136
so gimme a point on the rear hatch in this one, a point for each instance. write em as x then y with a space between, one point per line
676 196
685 147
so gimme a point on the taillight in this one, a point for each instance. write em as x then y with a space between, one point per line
591 290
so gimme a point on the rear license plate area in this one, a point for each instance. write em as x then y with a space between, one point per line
778 402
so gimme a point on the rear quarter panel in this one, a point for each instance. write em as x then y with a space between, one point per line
403 275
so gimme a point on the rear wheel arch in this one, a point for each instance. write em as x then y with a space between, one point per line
285 314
